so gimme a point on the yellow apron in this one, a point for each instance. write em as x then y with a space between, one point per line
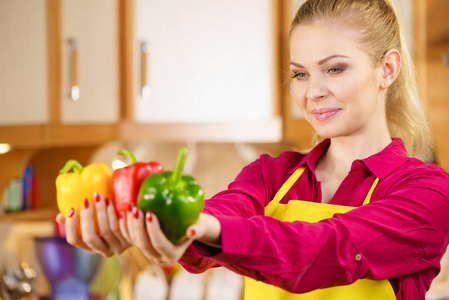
314 212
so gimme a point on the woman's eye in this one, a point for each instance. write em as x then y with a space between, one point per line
299 76
335 70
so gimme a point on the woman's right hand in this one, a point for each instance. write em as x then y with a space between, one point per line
109 241
146 234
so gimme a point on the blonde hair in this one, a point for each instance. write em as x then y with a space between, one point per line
379 31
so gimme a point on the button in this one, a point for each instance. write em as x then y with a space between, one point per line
358 257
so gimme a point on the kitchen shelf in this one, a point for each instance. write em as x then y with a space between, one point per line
264 131
41 214
57 135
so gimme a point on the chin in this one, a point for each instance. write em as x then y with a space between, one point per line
327 134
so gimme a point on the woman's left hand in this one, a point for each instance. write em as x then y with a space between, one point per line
147 235
108 241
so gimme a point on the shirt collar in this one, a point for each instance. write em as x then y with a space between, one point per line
389 159
311 158
380 164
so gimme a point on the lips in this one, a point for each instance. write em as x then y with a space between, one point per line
324 113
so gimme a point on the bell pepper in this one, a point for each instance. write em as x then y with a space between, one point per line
72 188
126 181
176 200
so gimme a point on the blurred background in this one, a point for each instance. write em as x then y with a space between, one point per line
83 79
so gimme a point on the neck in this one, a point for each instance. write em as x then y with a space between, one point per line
344 150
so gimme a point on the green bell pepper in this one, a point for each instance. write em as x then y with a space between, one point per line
176 200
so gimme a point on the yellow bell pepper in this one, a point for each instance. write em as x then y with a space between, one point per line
72 188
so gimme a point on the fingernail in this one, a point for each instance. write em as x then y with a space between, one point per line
71 212
120 215
97 197
86 203
136 212
54 218
107 202
149 217
192 232
130 207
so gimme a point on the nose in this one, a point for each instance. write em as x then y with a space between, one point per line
316 89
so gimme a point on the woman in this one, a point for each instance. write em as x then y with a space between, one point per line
355 218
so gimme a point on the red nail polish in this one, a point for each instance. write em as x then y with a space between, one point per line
107 202
54 218
136 212
192 232
97 197
130 207
86 203
120 215
149 217
71 212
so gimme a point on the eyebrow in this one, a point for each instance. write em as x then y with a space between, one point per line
321 62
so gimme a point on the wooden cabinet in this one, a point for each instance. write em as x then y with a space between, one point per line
432 60
203 70
46 164
90 61
207 60
212 69
38 68
23 62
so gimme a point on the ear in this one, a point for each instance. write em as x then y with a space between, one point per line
391 65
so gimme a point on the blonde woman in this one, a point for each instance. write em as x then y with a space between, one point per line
360 216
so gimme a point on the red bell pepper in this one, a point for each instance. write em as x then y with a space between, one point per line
126 181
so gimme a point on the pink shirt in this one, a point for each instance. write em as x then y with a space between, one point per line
401 235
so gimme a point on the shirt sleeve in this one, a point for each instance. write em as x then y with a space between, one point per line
243 198
402 232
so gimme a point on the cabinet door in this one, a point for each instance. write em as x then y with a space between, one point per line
23 62
90 60
207 61
432 60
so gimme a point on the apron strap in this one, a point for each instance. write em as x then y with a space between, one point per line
288 184
368 197
297 173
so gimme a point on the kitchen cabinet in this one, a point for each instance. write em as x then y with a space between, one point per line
212 69
203 70
46 164
38 67
432 62
90 61
23 62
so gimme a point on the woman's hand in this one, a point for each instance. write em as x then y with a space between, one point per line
146 234
110 241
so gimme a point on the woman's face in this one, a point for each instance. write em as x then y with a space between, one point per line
335 84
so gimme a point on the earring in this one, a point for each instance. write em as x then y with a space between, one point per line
384 87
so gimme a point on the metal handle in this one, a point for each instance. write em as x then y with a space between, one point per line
145 86
74 90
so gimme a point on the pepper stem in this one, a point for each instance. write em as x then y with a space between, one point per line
71 164
128 154
177 173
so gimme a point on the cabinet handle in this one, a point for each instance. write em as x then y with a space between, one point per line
446 60
74 90
146 91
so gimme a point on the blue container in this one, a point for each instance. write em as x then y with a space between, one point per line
68 269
